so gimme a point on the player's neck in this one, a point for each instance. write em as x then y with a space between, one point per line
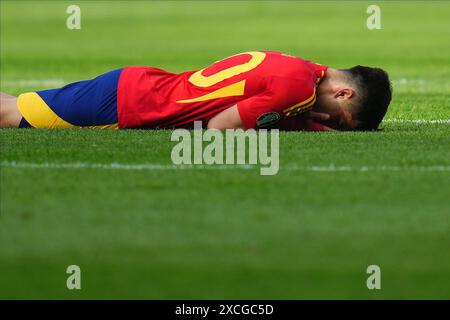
331 81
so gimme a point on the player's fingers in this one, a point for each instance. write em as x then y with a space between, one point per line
315 126
319 115
325 128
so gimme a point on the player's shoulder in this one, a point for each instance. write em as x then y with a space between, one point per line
291 90
283 65
284 57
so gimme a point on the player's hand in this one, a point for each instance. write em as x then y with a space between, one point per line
314 121
316 126
319 116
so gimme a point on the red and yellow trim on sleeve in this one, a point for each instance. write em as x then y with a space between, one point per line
320 77
301 107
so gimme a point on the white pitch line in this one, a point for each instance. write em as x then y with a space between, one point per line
118 166
406 81
34 82
418 121
173 167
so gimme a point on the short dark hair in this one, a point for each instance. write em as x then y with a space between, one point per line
374 93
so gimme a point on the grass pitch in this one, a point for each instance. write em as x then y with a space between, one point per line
207 233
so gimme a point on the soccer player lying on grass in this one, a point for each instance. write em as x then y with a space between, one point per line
258 89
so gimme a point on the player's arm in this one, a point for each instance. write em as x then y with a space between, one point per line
230 119
227 119
280 102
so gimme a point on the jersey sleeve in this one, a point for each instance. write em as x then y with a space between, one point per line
282 98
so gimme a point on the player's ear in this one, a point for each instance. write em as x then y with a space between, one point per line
344 93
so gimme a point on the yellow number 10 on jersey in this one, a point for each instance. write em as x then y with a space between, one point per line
232 90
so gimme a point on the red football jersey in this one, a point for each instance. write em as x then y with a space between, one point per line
267 87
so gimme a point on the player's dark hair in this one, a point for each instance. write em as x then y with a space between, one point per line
373 96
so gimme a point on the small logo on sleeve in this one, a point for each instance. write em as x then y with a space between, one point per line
268 120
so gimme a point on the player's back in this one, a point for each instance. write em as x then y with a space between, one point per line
258 82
